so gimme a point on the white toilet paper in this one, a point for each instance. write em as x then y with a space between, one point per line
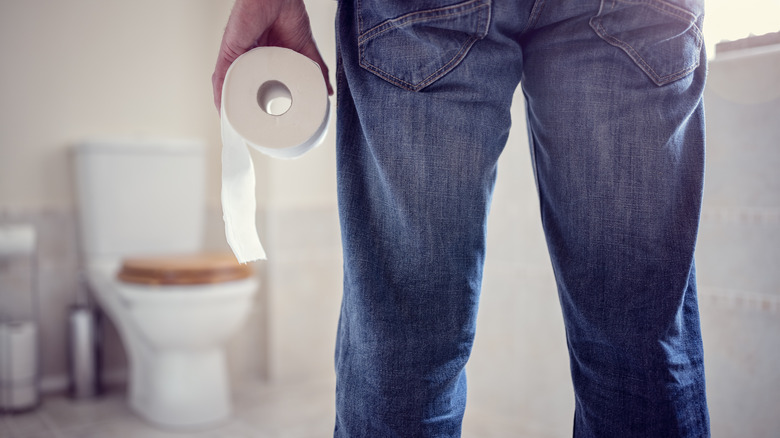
18 365
276 101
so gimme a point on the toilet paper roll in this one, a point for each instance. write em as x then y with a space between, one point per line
18 365
274 100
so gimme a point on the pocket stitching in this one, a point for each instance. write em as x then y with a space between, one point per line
416 17
664 6
669 9
430 78
478 6
660 80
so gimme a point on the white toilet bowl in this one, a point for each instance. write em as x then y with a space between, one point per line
173 314
174 337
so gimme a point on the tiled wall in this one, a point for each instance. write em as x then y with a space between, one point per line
304 292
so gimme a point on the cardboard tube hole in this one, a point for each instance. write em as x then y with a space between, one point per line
274 98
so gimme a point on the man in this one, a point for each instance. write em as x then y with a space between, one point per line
613 91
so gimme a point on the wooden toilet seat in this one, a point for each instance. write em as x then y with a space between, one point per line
183 269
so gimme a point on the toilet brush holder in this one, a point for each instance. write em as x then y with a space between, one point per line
83 352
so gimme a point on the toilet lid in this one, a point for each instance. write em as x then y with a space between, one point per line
183 269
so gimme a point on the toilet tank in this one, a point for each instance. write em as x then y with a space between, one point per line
140 197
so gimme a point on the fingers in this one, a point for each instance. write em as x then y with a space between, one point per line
218 78
249 21
255 23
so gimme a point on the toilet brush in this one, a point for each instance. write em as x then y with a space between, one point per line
83 346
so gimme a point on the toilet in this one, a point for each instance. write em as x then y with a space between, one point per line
141 213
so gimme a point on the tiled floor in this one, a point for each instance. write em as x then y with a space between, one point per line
260 411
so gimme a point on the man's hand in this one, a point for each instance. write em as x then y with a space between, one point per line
254 23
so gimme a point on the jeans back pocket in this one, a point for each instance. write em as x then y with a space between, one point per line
664 39
413 50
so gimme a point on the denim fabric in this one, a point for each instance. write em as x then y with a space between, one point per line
613 92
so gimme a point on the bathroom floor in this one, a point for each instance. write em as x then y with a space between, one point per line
260 411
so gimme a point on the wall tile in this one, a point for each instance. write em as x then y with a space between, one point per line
519 368
742 153
296 233
304 304
742 356
739 253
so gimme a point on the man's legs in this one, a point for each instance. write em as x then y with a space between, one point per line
424 94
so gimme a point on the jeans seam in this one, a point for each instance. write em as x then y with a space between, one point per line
359 16
536 12
416 17
668 9
534 161
428 80
663 5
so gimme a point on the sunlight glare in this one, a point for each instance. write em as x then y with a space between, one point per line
729 20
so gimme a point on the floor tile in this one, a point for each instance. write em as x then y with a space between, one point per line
481 423
260 411
27 425
66 412
4 428
290 411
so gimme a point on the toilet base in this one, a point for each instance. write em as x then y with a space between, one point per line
182 389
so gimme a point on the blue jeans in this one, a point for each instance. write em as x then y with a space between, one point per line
613 90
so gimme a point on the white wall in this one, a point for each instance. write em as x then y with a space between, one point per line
86 68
